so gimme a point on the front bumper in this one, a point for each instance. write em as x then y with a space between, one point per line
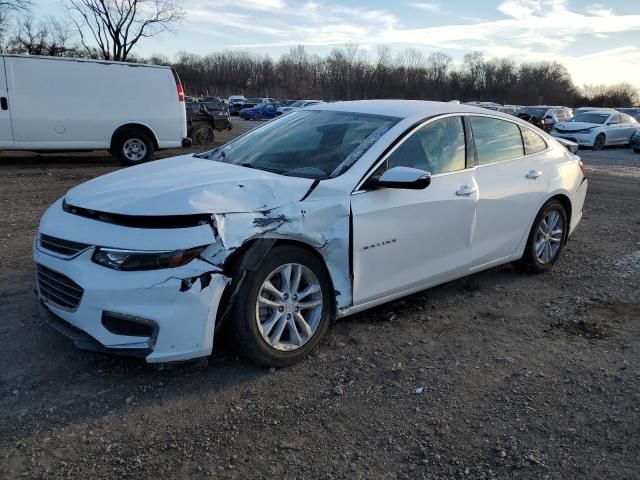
182 303
584 139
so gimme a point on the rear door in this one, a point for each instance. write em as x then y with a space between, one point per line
6 132
407 239
512 185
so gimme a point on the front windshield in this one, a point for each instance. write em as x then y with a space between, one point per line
536 112
297 103
254 100
315 144
590 117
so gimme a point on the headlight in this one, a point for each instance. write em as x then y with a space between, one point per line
137 260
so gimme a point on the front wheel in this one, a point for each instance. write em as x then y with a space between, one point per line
547 238
282 310
598 143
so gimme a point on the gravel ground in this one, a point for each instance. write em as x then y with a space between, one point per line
499 375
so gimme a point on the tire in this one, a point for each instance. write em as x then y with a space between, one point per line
133 147
534 260
258 343
599 142
203 135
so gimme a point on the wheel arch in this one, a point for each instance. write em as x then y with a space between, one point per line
261 246
566 203
133 126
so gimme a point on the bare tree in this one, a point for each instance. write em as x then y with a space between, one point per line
50 37
117 26
10 7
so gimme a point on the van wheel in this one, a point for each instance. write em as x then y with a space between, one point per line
133 147
282 310
203 135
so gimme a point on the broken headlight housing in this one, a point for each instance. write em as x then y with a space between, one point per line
140 260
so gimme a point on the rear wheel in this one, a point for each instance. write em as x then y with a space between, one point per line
282 309
203 135
547 238
599 142
133 147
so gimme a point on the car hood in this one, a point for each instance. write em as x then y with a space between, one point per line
187 185
574 126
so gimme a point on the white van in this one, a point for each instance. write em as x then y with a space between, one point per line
63 104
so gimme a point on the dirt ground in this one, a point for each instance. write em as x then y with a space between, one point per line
524 377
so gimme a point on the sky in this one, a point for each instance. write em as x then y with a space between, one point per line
598 42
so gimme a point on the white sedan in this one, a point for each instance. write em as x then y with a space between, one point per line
297 105
598 128
313 216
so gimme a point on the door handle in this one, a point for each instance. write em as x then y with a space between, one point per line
466 191
4 104
533 174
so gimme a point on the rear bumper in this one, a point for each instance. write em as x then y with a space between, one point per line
578 204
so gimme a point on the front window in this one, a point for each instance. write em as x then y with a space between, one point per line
599 118
316 144
438 147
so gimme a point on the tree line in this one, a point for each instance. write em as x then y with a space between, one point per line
110 30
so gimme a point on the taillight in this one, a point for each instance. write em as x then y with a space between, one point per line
180 92
584 173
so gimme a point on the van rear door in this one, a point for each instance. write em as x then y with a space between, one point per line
6 132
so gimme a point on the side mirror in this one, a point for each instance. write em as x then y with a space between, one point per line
400 177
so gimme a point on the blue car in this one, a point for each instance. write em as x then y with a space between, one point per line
260 111
635 141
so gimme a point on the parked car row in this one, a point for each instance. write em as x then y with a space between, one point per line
594 127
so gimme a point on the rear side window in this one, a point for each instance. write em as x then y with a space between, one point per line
496 140
438 147
533 143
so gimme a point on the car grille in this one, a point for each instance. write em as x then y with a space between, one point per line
560 130
66 248
58 288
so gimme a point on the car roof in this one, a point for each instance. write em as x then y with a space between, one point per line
606 111
399 108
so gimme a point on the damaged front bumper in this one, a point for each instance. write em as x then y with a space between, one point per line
163 315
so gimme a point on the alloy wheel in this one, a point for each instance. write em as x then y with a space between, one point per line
549 237
289 307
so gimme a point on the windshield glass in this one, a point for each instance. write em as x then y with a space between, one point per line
254 100
536 112
297 103
590 117
315 144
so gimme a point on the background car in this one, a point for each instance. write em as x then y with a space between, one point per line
297 105
598 128
260 111
545 117
634 112
213 103
236 103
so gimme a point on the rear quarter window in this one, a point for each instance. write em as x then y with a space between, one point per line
533 143
496 140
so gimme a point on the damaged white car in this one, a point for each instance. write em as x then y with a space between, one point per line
313 216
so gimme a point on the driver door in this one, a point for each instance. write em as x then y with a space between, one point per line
411 239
